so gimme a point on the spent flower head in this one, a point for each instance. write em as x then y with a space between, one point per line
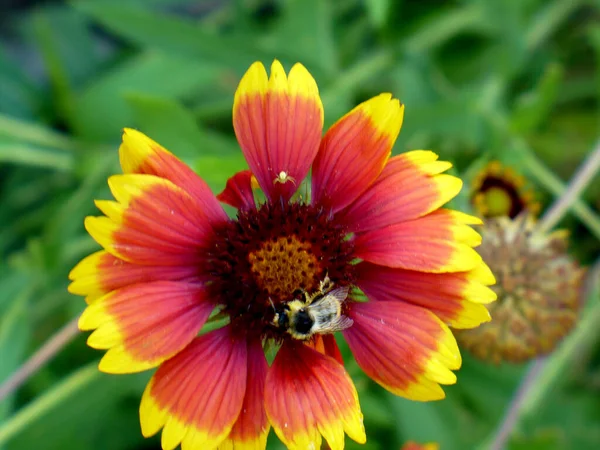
538 288
285 273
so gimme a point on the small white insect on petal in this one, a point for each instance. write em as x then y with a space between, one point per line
283 178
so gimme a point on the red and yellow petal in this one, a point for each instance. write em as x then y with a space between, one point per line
238 191
325 343
153 222
410 186
101 272
456 298
252 427
197 395
411 445
278 121
354 151
144 324
439 242
309 394
404 348
141 155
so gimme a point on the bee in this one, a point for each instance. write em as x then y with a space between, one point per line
317 313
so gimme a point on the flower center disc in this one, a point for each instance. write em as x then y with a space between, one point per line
265 256
283 265
499 197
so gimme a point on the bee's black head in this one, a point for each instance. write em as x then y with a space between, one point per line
303 322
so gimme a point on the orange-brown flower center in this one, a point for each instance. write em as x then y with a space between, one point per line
263 258
283 264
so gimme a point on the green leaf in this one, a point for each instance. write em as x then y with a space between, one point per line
315 48
15 331
168 122
337 95
534 107
20 97
19 153
569 416
215 170
487 388
63 37
558 364
102 109
551 439
177 36
376 408
426 422
378 11
34 133
441 119
444 24
548 20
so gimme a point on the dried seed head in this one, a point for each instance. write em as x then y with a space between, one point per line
538 287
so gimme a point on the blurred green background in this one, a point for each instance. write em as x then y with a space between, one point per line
516 80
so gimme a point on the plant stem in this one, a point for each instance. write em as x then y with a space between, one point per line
580 180
45 353
551 182
47 401
514 411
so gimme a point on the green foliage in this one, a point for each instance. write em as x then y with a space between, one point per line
515 80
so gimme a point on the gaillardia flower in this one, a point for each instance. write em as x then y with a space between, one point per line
286 272
539 291
498 191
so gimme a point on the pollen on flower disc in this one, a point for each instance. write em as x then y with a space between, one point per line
270 264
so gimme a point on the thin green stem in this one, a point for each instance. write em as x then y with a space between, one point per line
44 354
578 183
498 441
48 401
551 182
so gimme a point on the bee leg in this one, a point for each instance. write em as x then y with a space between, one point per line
325 285
299 293
308 298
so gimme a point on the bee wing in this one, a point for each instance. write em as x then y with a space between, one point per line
338 324
340 294
326 312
